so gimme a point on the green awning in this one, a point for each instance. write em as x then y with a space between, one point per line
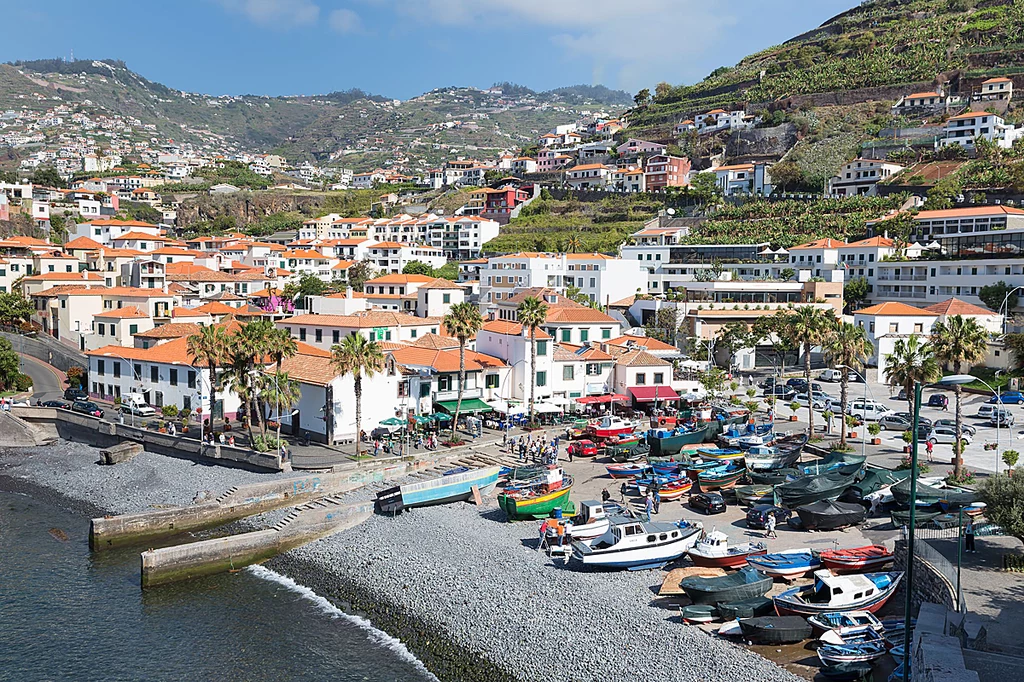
469 406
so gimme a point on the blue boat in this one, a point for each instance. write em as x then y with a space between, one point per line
789 564
720 454
666 468
454 487
665 479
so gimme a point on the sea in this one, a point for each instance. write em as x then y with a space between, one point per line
69 614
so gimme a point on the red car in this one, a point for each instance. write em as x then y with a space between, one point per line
583 448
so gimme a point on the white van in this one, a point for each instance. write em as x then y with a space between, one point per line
135 403
832 375
868 410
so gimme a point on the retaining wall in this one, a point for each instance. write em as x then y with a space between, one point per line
47 349
930 585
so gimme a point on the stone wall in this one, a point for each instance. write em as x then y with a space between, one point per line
930 585
47 349
761 142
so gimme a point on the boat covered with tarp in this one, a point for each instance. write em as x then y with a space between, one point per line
744 584
810 489
830 515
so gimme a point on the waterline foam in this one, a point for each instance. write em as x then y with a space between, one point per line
375 635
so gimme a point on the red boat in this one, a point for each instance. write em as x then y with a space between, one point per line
856 559
673 491
714 550
610 427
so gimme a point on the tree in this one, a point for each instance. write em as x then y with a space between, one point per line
786 174
664 325
48 177
772 329
281 390
10 364
959 343
786 274
359 357
209 346
1015 344
245 355
734 337
855 293
1004 503
993 295
713 381
847 345
462 321
308 285
1010 458
662 90
704 189
532 313
279 345
15 309
359 273
417 267
911 361
642 98
574 243
808 327
448 271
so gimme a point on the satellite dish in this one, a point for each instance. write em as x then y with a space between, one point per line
671 211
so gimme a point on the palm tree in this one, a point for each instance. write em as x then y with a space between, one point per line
532 313
279 345
358 356
209 346
847 345
911 361
808 327
959 341
462 321
574 244
280 390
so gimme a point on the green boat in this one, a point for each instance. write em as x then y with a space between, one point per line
874 480
814 489
667 442
536 503
621 448
945 498
633 454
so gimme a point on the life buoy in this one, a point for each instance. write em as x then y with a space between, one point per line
662 421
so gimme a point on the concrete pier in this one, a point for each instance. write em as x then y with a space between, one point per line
207 557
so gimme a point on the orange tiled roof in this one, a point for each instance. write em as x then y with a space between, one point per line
642 341
511 329
122 313
893 308
954 306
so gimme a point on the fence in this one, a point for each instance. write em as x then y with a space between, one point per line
925 549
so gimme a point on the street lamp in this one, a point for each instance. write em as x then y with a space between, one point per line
909 577
1003 305
959 379
867 391
136 375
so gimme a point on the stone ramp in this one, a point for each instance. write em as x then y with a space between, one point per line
15 432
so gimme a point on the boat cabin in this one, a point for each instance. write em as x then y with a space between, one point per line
590 511
841 589
716 539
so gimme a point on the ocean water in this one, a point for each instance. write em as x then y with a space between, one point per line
68 614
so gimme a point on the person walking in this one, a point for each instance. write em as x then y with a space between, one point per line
568 451
622 492
657 501
543 534
769 527
969 536
929 447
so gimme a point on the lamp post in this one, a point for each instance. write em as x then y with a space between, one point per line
1003 305
867 391
909 577
957 379
135 375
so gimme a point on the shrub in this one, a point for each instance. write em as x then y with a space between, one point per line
22 383
75 375
922 467
966 477
751 392
169 411
874 429
1002 495
1010 458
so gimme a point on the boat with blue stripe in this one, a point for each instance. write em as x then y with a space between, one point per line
456 486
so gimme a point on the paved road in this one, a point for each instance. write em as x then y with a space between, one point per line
46 384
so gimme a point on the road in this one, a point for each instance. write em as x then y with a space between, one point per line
46 384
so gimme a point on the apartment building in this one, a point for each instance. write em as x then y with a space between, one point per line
860 177
964 128
599 277
324 331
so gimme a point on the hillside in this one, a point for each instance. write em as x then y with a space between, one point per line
350 128
879 43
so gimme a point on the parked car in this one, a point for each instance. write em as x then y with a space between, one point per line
868 410
893 422
780 392
60 404
985 411
1008 398
709 503
87 407
920 420
75 394
938 400
767 383
583 448
945 435
1001 417
139 410
950 423
830 375
819 401
757 516
800 385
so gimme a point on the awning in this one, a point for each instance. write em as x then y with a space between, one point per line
469 406
504 407
595 399
546 408
650 394
559 400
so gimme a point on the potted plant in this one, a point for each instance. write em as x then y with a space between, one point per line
227 423
795 407
733 385
1010 458
851 422
161 426
958 452
751 392
874 429
752 406
185 414
908 438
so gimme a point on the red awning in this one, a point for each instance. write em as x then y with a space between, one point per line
650 394
595 399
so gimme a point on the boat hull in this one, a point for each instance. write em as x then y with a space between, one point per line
671 445
731 561
636 558
775 629
856 560
745 585
710 481
787 565
786 605
625 471
443 490
828 515
536 507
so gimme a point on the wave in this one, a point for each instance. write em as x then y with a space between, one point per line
374 634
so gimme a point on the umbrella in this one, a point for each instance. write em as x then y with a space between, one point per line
421 419
391 421
441 417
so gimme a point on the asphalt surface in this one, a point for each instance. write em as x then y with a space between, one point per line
45 384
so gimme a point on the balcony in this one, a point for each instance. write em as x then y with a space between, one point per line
441 396
903 278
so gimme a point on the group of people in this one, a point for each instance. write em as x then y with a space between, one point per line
528 449
220 438
554 533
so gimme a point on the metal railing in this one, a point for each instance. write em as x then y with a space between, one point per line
929 553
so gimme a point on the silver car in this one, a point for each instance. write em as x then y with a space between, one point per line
945 435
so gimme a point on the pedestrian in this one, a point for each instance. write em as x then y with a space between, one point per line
543 534
231 440
929 447
657 501
560 530
605 495
622 492
969 536
569 451
504 439
769 527
649 507
222 440
170 429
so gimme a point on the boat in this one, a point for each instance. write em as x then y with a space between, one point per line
716 479
975 509
754 494
674 491
635 453
775 629
901 517
666 468
813 489
642 483
515 475
898 674
788 564
857 646
846 672
823 622
714 550
752 440
746 583
610 426
720 454
873 481
697 613
741 435
773 476
830 592
539 500
852 635
830 515
748 608
591 521
927 495
841 462
783 454
664 442
636 545
856 559
454 487
624 443
625 470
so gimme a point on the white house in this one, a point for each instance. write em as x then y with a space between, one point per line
885 323
588 176
964 128
859 177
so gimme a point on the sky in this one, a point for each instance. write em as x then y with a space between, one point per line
402 48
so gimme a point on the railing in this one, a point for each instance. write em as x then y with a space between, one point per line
926 551
907 278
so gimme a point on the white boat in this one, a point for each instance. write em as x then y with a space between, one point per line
841 623
830 593
637 545
783 453
714 550
590 522
788 564
610 426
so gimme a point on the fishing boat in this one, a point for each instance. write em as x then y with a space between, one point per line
454 487
975 509
625 470
697 613
856 647
538 501
856 559
665 442
901 517
775 629
737 435
518 475
720 454
674 491
716 479
846 672
590 522
635 453
624 443
813 489
830 592
823 622
610 426
642 483
746 583
873 481
829 515
773 476
748 608
783 454
927 495
841 462
753 494
788 564
714 550
636 545
852 635
666 468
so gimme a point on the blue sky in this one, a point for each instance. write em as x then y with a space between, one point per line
401 48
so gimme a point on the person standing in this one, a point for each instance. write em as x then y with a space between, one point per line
650 506
569 450
769 527
543 534
929 447
969 536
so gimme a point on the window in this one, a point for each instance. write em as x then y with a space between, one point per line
319 335
302 334
444 383
566 335
894 327
542 348
659 378
641 378
918 328
173 375
606 333
584 335
138 372
446 298
413 332
542 379
568 373
593 369
425 390
101 329
593 282
191 379
117 370
491 381
154 374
